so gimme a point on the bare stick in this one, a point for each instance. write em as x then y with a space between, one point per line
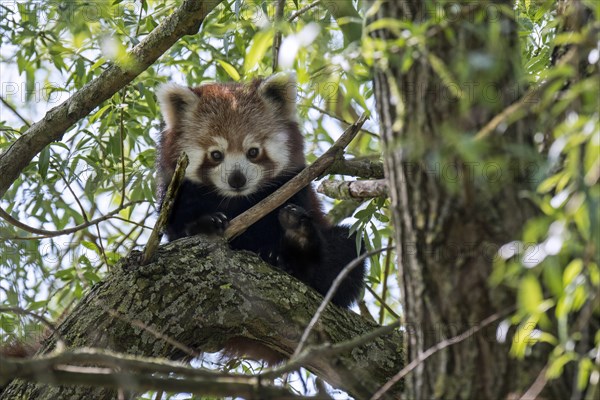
329 349
334 286
508 115
303 10
344 190
359 168
165 209
277 39
47 234
136 374
43 320
308 174
434 349
538 385
380 300
14 111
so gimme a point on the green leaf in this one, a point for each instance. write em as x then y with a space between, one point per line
7 323
44 162
149 96
530 295
230 69
89 245
583 373
549 183
557 365
260 43
571 271
523 337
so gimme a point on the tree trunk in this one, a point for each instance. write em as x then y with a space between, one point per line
198 294
455 199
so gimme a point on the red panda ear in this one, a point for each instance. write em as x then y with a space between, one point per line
279 90
174 100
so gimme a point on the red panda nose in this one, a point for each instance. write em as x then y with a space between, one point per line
236 179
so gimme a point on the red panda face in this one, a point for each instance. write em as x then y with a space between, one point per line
238 137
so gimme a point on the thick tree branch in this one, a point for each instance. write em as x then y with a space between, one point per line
360 168
184 21
354 189
135 374
200 294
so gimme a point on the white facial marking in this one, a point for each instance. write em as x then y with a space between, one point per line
195 157
278 151
236 162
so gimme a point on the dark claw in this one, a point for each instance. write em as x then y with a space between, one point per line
220 222
208 224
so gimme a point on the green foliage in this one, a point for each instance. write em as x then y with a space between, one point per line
105 162
555 265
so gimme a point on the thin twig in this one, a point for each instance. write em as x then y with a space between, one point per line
329 349
277 39
48 234
121 138
14 111
519 105
331 115
334 286
382 302
308 174
137 28
70 189
101 246
165 210
43 320
134 373
386 273
303 10
434 349
537 386
138 224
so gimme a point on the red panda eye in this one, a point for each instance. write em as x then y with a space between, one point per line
216 155
252 153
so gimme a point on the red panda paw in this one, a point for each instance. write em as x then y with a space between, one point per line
209 224
297 225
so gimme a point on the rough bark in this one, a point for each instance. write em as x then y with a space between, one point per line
347 190
449 217
200 294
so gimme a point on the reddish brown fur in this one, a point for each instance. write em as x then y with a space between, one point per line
252 128
230 110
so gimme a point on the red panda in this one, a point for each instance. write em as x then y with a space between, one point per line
243 142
